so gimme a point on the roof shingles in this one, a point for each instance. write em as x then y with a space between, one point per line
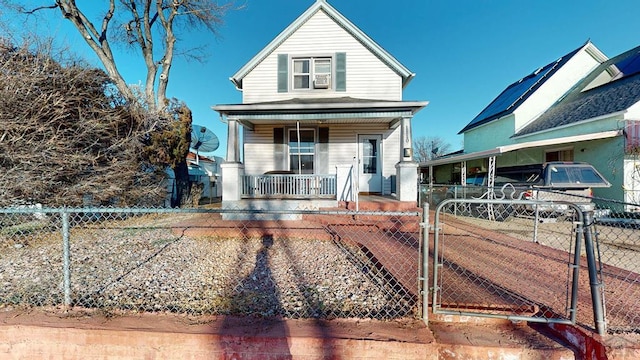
606 99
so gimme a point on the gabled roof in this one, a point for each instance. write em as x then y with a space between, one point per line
578 105
322 5
518 92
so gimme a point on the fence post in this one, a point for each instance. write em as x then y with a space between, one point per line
425 262
65 258
575 267
596 285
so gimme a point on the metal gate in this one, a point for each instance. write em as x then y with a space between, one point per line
511 259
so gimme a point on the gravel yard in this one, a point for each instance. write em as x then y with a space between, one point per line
125 266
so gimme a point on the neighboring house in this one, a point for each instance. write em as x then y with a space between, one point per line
317 100
582 107
206 170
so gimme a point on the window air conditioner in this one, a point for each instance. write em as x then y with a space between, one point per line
321 81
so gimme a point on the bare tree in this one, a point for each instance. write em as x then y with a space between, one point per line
149 26
429 147
66 137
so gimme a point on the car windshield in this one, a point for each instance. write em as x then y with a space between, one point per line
575 176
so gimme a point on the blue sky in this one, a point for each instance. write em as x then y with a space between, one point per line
464 52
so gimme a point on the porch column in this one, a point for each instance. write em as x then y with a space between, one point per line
406 148
232 168
407 168
233 145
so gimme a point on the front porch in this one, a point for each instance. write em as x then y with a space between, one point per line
303 189
317 151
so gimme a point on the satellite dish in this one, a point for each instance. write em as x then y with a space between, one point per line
203 139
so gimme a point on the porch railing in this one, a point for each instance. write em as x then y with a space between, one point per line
289 186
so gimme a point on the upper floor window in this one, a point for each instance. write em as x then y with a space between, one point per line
311 73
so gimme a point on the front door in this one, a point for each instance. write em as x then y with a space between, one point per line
369 158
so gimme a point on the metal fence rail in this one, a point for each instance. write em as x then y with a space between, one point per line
330 264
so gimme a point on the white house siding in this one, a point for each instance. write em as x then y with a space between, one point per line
343 145
391 152
580 65
633 112
367 76
259 151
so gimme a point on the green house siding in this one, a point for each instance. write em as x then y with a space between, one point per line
606 155
489 136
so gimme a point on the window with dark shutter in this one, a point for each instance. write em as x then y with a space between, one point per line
323 135
278 135
278 148
322 156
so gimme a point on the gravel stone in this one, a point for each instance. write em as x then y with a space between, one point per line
149 268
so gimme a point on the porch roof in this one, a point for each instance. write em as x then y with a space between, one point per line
342 110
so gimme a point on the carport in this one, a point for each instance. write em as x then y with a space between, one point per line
492 154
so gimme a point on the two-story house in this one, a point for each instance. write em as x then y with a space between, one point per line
581 107
322 119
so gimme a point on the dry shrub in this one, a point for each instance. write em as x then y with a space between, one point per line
66 134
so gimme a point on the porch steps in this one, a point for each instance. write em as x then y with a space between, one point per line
379 203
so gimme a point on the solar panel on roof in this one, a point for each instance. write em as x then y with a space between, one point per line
517 92
510 96
629 65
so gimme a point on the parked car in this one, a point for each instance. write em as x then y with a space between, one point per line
564 181
552 181
507 179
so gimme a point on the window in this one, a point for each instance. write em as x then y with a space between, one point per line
559 155
311 73
301 74
301 151
370 156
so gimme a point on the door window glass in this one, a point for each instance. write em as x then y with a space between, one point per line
370 156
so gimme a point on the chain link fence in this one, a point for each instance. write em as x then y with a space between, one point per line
515 258
617 234
192 261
